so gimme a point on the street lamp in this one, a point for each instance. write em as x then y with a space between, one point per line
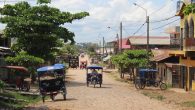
116 37
147 21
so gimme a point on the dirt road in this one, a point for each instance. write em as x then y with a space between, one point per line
113 95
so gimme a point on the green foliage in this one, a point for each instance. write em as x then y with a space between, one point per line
17 105
43 1
23 59
153 95
2 84
189 9
188 104
133 58
38 28
68 49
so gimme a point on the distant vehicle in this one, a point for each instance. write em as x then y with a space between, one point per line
147 77
52 81
94 75
20 78
73 61
83 64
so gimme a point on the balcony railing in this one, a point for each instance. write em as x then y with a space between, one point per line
179 5
189 44
175 41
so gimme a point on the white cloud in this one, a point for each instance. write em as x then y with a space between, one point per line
104 13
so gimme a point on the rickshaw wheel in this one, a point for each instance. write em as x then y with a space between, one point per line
163 86
156 84
52 97
94 83
87 84
142 86
25 87
100 85
43 98
64 96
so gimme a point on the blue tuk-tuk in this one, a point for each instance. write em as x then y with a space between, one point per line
94 75
52 81
147 77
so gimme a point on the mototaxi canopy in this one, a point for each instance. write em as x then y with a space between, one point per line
94 67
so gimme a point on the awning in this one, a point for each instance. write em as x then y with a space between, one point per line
107 58
160 57
19 68
170 65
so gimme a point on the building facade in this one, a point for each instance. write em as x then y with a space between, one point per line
187 40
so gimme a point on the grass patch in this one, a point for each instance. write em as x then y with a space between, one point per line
169 86
154 96
9 104
188 104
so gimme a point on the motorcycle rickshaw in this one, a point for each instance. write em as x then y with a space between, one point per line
52 81
147 77
94 75
83 64
17 76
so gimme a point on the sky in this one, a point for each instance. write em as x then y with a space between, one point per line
109 13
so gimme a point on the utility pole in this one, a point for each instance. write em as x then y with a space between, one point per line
121 34
118 45
147 21
100 45
103 47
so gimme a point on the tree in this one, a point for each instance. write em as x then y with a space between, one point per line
38 28
69 49
130 59
28 61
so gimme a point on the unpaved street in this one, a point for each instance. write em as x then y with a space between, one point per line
113 95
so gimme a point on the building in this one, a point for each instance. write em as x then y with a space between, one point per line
174 32
155 42
187 40
167 67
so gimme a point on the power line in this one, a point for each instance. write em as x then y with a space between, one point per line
165 19
126 31
171 1
139 29
164 25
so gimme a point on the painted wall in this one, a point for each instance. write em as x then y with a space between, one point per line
189 63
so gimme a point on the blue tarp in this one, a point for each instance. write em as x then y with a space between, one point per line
50 68
59 64
143 72
94 67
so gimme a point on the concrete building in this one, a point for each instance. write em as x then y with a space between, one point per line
186 52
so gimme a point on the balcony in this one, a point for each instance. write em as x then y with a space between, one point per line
179 5
175 41
189 44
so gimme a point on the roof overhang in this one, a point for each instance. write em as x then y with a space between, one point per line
180 12
177 53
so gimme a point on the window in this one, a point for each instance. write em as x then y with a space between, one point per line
191 29
186 30
192 58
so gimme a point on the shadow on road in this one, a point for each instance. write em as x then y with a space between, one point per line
68 99
97 87
37 108
75 84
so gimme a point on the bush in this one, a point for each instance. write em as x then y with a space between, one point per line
23 59
2 85
28 61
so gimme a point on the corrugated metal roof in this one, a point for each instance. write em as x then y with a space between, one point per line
160 57
125 44
153 40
